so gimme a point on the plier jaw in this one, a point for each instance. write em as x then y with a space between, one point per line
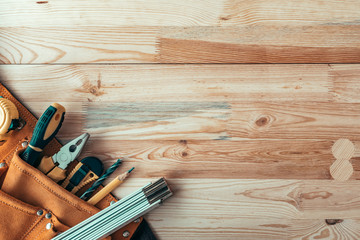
70 151
55 166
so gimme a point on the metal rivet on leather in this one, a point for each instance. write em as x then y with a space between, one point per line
2 165
126 234
137 220
48 226
40 212
112 202
24 144
48 215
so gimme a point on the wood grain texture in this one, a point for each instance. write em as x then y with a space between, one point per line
173 32
195 44
193 155
254 159
245 147
210 120
264 209
221 120
77 45
175 13
198 83
346 84
343 150
260 44
214 102
276 198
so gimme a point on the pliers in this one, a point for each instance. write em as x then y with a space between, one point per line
55 166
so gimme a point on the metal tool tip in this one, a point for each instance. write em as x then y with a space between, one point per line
85 135
131 169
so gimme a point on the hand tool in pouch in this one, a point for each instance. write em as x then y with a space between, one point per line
98 182
86 171
109 187
9 118
55 166
45 130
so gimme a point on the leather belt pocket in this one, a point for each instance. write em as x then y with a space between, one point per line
24 221
29 185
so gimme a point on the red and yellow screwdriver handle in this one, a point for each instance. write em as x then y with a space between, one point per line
45 130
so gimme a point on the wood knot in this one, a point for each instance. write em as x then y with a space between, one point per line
225 18
262 121
93 89
183 142
333 221
184 154
314 195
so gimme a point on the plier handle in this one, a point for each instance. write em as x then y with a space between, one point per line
55 166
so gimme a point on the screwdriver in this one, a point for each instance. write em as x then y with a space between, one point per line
45 130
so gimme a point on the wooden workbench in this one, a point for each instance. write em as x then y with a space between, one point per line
245 144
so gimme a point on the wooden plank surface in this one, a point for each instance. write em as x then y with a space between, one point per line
177 13
180 32
256 209
255 121
245 83
246 147
224 124
195 44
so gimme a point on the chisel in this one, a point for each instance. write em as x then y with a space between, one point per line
45 130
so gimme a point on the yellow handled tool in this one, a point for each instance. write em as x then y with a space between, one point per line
45 130
109 187
9 117
55 166
85 172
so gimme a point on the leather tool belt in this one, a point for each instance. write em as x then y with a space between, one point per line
32 206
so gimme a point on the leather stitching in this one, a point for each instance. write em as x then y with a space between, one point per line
32 227
8 157
10 205
109 198
40 233
50 190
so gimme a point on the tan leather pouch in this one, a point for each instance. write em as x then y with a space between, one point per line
25 191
